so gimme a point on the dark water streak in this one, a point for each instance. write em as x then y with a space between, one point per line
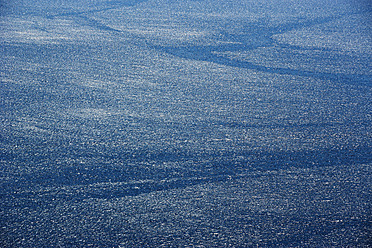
255 35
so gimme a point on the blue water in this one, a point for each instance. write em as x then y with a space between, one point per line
185 124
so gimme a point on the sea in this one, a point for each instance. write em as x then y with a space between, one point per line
194 123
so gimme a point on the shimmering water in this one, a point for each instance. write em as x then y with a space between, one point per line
185 124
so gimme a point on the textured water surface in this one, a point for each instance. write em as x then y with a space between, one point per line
185 123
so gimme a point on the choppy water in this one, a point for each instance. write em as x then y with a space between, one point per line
185 124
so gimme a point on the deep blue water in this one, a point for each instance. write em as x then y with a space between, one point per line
185 124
